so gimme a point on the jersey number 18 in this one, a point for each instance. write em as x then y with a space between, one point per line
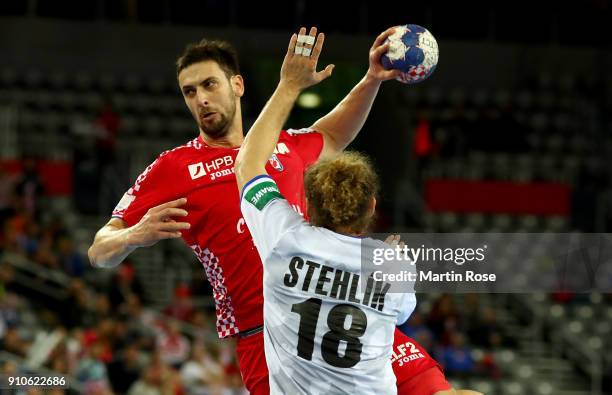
330 344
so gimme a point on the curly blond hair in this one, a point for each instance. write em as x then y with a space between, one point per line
339 191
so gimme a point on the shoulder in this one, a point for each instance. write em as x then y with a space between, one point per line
178 155
189 147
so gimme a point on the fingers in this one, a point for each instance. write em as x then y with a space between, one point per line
380 51
318 46
174 226
291 48
171 212
390 74
305 42
174 203
168 235
383 36
308 46
299 46
393 240
325 73
385 75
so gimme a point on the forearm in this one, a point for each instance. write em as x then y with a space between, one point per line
342 124
110 247
261 139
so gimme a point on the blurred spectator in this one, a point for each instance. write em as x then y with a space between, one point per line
78 300
181 307
141 324
30 187
415 328
7 194
173 346
9 311
457 357
485 331
70 259
102 337
28 241
90 370
10 368
125 369
203 325
201 374
443 318
13 341
45 254
157 379
123 284
107 124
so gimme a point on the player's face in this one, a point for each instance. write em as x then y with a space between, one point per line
211 96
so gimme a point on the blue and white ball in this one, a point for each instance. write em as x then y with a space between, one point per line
414 51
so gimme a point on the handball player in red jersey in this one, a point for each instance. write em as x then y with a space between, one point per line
189 192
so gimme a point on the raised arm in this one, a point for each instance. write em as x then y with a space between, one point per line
297 73
114 241
341 125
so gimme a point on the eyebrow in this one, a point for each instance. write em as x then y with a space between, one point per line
198 83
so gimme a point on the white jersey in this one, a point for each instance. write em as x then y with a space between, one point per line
327 330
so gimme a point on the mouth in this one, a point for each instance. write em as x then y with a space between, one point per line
207 115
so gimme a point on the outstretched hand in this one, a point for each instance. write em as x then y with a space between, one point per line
299 70
378 49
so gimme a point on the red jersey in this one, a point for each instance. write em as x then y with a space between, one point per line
218 235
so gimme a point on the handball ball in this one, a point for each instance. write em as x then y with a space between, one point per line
414 51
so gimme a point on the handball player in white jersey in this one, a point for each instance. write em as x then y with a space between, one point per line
327 328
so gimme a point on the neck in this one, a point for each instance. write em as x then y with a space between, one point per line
231 139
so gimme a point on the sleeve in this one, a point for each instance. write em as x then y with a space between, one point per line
150 189
308 143
267 214
407 306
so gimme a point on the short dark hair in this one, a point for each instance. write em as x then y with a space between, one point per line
218 51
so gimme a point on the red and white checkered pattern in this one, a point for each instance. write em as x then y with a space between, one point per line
415 73
226 320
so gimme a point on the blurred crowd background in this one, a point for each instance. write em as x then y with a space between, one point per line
512 133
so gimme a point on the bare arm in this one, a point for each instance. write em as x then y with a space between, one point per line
114 241
342 124
458 392
297 73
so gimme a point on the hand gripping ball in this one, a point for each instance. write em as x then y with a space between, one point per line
414 51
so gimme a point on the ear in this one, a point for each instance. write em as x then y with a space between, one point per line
237 85
372 206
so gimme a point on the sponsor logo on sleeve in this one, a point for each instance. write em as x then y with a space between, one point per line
262 194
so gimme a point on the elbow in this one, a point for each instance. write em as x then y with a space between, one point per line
93 257
238 165
239 168
239 162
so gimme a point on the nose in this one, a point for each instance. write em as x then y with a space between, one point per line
202 97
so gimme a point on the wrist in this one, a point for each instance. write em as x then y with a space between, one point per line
289 89
128 239
371 79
